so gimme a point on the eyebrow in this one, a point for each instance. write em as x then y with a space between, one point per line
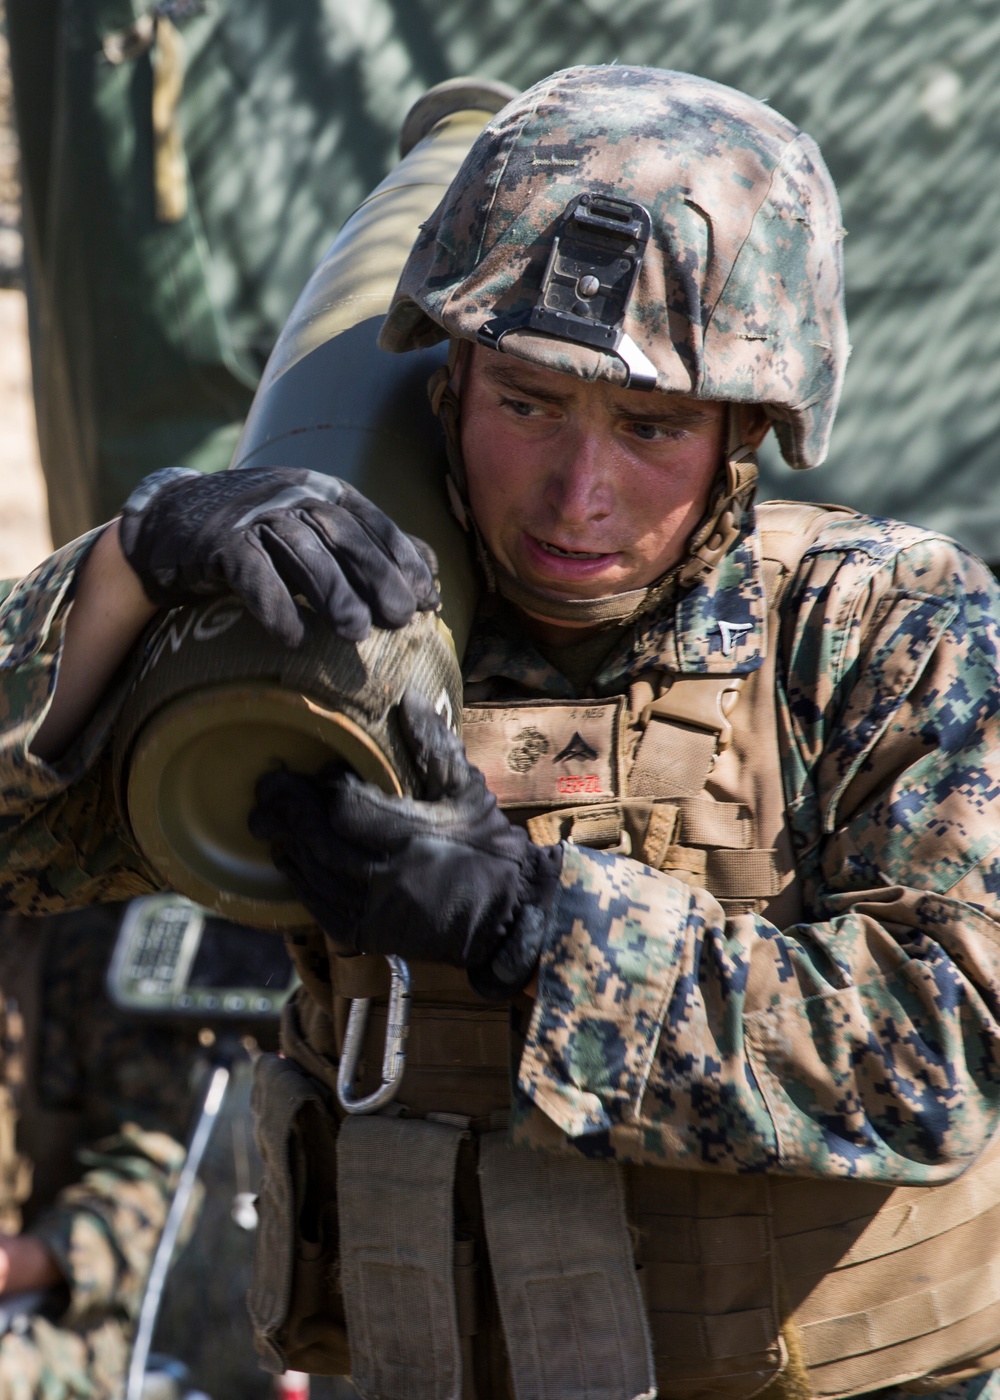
519 381
682 415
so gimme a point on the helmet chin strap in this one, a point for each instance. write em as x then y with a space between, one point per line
709 542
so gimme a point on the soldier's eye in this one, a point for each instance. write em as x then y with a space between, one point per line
656 432
521 407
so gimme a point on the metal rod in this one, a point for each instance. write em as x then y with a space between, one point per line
148 1313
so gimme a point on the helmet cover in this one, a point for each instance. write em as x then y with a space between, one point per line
739 293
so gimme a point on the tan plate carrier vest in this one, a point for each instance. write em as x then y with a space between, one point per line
796 1286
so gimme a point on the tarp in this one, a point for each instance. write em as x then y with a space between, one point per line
150 335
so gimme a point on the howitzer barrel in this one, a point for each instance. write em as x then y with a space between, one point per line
218 701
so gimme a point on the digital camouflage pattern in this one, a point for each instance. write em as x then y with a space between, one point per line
863 1042
105 1071
860 1044
46 1360
67 845
740 294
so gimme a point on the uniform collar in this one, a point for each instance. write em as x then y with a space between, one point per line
717 627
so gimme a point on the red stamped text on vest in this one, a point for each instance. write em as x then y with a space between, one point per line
572 784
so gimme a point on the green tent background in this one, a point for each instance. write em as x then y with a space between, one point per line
148 337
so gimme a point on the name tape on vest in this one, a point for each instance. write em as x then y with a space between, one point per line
543 752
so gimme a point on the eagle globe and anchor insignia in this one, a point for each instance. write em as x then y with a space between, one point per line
529 746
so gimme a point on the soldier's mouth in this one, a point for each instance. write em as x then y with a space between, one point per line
555 550
552 565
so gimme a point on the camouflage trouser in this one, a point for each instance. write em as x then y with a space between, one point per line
45 1362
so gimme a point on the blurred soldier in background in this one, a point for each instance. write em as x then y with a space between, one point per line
80 1075
97 1102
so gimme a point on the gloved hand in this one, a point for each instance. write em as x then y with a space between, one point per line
268 533
445 878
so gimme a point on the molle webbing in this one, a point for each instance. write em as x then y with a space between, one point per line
889 1285
456 1055
702 843
683 730
537 752
458 1047
705 1250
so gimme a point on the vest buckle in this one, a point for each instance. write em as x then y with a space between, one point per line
397 1029
703 702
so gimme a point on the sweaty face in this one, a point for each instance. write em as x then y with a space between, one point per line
583 489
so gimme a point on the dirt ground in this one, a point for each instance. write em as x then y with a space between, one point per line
24 525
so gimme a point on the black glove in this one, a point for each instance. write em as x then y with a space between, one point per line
445 879
269 533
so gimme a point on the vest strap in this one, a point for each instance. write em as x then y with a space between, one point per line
395 1180
905 1319
714 823
687 863
742 874
683 731
635 826
565 1277
700 842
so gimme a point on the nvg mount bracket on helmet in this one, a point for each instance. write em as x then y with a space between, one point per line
592 270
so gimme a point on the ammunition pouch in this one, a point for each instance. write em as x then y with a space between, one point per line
397 1258
562 1265
295 1301
367 1265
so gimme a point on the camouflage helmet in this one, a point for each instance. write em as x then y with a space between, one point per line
730 287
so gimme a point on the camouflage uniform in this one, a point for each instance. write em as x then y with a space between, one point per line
98 1079
729 1044
861 1044
664 1033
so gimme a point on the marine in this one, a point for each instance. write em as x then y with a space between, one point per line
705 1071
80 1231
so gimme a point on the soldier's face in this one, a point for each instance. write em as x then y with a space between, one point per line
583 489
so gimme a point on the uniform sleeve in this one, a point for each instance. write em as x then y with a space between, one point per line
104 1229
865 1041
62 841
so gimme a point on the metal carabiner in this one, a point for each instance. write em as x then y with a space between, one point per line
397 1028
